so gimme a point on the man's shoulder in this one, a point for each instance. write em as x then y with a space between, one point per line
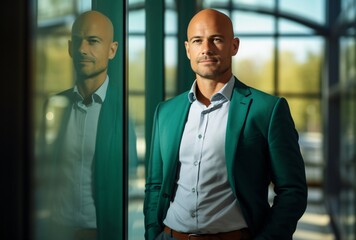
66 93
179 99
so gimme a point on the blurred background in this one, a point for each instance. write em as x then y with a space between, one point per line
303 50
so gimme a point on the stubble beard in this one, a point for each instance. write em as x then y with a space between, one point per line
211 74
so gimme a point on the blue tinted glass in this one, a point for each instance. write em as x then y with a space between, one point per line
313 10
287 26
170 21
258 3
137 21
247 22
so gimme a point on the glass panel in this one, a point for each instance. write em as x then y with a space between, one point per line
348 132
54 73
348 8
135 1
170 3
53 9
300 64
287 26
170 22
247 22
257 3
136 108
306 114
137 21
209 3
254 61
347 60
348 164
313 10
170 66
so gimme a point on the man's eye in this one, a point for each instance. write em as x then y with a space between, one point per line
196 41
217 40
93 41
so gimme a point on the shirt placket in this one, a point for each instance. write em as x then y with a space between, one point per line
198 155
83 124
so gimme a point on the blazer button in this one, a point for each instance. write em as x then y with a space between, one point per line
165 195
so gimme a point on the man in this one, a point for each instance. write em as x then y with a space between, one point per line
88 150
217 148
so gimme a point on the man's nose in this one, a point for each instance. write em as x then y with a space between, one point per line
207 47
83 47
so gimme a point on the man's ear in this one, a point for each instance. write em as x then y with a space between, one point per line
186 44
112 50
235 46
70 48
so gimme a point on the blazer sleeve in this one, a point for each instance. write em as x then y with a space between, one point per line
153 184
287 175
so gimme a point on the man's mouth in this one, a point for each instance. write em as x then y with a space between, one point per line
207 60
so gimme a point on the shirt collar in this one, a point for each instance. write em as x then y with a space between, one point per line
224 93
98 96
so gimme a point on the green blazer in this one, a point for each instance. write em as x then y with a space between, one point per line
261 148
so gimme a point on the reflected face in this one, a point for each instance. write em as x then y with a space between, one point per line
91 46
211 44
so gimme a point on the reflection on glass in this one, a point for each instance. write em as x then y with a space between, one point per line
80 144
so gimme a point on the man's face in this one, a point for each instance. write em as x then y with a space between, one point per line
91 47
210 47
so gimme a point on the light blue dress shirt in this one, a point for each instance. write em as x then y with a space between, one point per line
204 201
75 204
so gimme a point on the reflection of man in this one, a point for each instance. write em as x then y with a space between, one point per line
216 148
87 179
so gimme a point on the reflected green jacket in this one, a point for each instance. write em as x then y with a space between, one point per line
261 147
108 163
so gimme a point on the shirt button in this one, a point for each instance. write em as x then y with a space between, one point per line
193 190
195 163
200 136
192 215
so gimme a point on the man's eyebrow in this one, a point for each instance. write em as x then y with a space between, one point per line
211 36
86 37
92 37
190 39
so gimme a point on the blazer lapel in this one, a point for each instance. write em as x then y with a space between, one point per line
175 122
238 110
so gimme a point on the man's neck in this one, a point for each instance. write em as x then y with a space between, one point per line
87 87
206 88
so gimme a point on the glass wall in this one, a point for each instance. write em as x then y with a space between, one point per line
53 74
69 156
346 215
282 52
136 109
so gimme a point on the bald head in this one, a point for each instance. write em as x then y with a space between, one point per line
93 19
209 18
211 45
92 46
